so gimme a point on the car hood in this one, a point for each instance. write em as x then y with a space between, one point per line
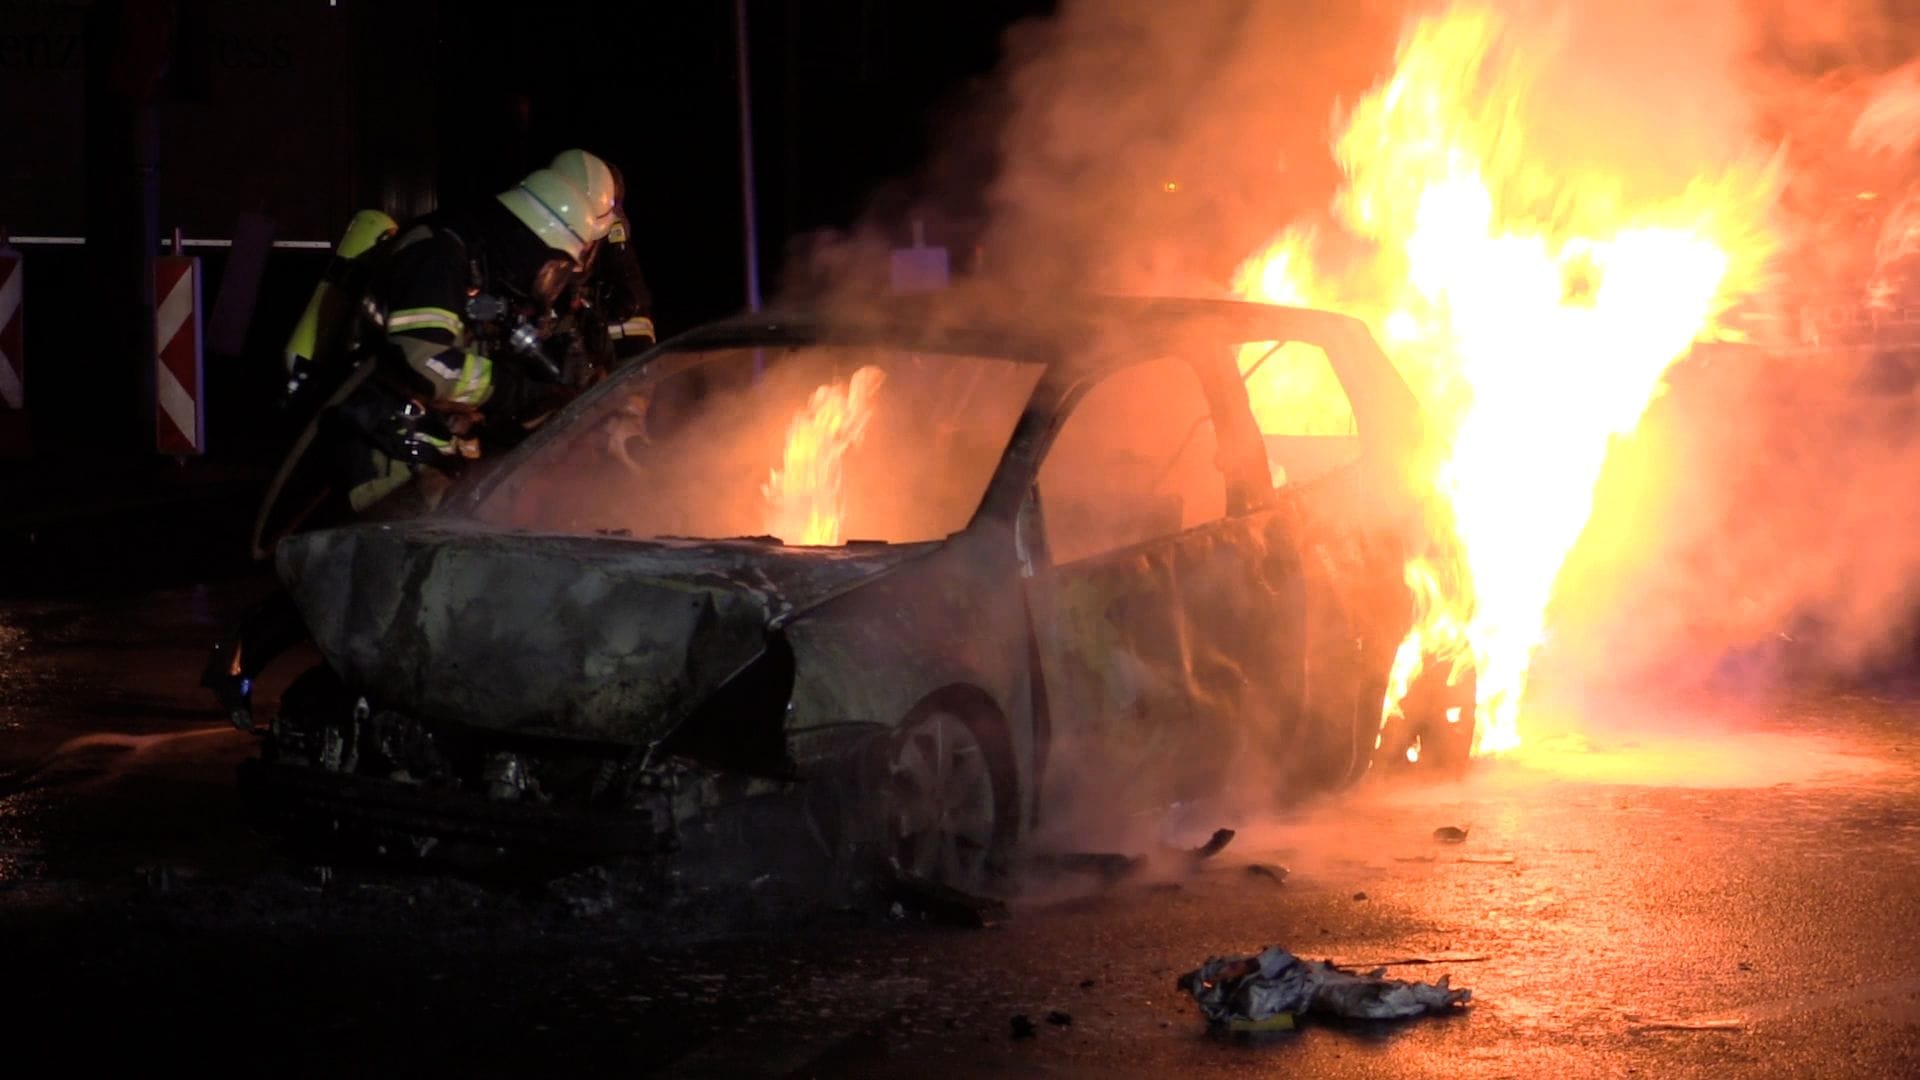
602 638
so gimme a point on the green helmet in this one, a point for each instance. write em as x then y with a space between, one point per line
570 204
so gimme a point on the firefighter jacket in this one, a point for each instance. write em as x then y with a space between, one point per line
454 286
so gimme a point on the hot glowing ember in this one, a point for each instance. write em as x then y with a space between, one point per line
1533 305
805 501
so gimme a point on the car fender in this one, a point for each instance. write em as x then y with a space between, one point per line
867 659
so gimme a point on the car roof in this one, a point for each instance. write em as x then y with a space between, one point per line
1055 330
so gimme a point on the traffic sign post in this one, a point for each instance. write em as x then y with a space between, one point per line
179 386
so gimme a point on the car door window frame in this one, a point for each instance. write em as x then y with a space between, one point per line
1031 531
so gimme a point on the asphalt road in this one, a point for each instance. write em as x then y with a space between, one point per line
1724 889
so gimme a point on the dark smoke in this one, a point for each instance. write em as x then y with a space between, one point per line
1140 146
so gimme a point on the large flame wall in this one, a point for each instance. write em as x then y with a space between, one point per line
1534 305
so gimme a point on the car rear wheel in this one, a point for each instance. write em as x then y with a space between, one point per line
1434 729
942 810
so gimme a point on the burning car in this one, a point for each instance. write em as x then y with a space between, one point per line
920 572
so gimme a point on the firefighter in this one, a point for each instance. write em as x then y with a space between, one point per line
476 324
617 290
474 316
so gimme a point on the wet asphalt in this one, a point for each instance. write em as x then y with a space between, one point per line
1723 889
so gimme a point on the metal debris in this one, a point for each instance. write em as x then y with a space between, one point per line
1277 874
944 903
1220 839
1275 983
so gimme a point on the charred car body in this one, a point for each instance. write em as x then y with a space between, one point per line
1151 547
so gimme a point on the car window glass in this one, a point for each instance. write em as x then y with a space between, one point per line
1134 461
1304 415
815 445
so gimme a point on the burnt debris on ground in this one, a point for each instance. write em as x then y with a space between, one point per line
1260 989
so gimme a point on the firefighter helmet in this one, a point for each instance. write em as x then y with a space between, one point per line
570 204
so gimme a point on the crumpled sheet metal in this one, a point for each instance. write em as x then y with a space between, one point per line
1274 981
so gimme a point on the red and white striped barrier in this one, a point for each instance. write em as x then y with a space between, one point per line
179 403
13 359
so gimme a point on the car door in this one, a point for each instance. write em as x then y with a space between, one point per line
1166 626
1347 520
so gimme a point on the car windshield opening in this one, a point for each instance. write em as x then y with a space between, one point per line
812 445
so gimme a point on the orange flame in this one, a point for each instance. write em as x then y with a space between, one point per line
806 503
1532 305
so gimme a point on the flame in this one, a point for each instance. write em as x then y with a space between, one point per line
1532 305
806 503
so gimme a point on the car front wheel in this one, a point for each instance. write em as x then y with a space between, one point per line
942 813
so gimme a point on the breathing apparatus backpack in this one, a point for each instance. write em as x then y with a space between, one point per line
322 341
331 356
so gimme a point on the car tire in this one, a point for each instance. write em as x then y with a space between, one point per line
1437 718
943 801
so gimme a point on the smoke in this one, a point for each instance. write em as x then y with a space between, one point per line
1837 84
1754 528
1140 147
1150 146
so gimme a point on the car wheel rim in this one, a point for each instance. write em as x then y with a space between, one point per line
941 808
